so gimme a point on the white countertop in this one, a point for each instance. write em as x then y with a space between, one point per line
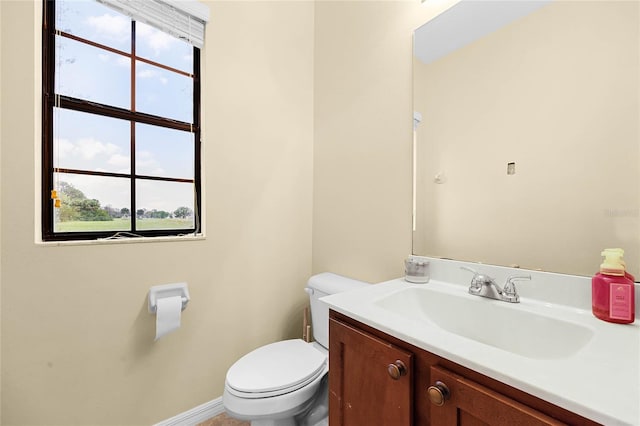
601 381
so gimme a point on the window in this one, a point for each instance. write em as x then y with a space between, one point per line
121 121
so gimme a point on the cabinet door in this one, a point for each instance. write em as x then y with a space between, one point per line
370 380
471 404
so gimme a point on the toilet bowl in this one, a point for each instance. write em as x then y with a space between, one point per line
285 383
275 383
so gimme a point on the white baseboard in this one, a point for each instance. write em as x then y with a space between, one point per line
195 415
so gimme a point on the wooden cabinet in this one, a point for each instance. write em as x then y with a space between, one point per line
467 403
370 380
376 379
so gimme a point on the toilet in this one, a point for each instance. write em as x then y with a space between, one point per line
286 383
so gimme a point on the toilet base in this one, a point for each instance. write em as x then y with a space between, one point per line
316 412
287 422
278 422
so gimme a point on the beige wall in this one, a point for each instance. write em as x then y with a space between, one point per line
571 128
1 90
307 115
77 341
362 135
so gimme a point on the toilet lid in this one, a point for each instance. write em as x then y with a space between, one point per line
277 366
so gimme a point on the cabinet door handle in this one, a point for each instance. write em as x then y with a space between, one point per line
438 393
397 369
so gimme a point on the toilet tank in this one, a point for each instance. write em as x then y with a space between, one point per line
323 285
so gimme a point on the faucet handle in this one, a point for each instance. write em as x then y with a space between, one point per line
477 276
478 280
473 271
510 292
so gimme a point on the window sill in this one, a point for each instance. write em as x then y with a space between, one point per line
134 240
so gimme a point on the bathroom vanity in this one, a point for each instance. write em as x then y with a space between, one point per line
432 354
377 379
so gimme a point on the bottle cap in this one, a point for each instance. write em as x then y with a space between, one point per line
613 263
621 251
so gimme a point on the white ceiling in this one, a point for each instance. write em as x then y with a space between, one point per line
466 22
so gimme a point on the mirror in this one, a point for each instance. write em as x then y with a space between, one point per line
526 134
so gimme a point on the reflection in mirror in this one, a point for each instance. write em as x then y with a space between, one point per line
527 134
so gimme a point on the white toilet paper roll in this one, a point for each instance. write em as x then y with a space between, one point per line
168 315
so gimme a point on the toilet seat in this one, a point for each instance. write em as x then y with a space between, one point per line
276 369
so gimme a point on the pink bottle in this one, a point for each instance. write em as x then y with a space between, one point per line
613 290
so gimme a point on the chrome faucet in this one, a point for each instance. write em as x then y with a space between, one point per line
485 286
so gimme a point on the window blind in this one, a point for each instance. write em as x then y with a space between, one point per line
184 19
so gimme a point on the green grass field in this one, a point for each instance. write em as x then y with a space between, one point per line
123 225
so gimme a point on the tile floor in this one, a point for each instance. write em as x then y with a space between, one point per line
223 420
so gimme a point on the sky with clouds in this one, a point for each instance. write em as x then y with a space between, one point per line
90 142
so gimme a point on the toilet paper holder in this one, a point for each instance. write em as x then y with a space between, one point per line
167 290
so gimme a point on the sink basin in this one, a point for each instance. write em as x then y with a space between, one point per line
511 327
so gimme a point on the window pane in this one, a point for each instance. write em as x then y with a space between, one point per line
163 48
90 142
95 22
105 168
164 205
92 203
164 93
94 74
164 152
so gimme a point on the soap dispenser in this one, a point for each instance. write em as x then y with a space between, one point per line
613 290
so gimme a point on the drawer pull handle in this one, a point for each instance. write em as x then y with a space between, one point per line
438 393
397 369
